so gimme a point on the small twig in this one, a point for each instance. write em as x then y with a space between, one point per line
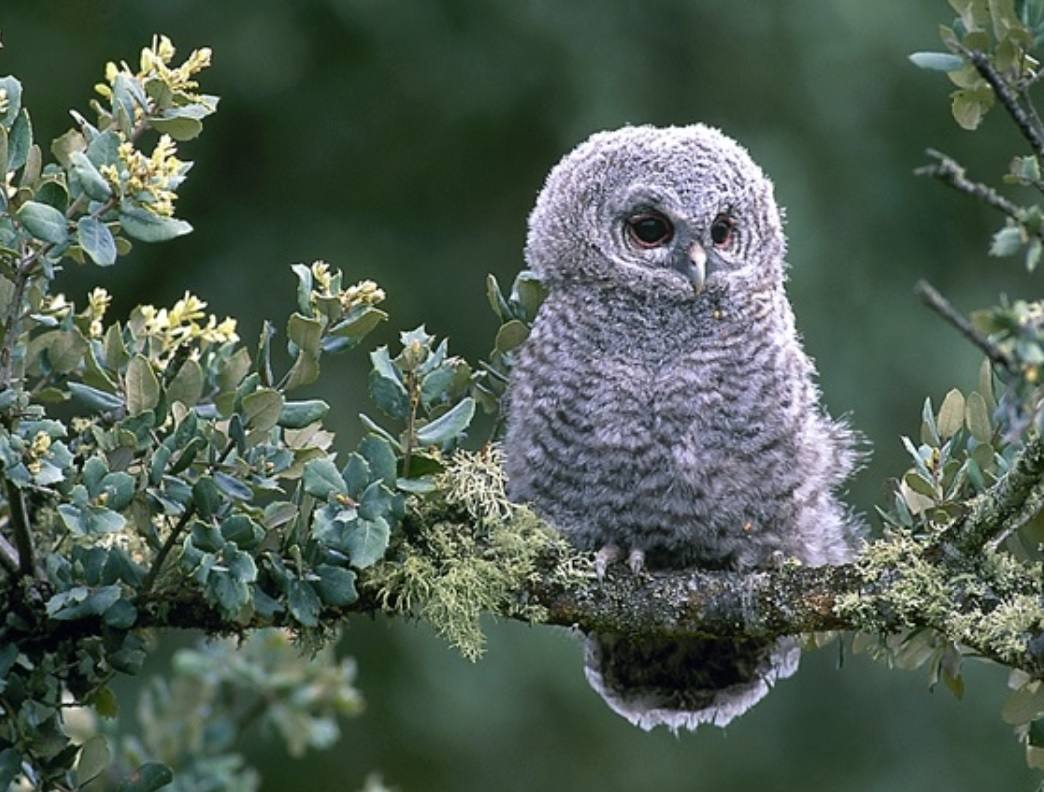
1023 120
175 533
20 525
8 557
949 171
164 551
1030 509
931 297
1005 501
1029 82
1032 109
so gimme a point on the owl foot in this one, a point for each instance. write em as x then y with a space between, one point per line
636 560
609 554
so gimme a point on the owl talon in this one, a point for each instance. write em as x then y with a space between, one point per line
609 554
636 561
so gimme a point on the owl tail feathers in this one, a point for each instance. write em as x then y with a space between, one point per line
683 684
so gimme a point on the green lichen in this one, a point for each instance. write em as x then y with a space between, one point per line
467 551
993 603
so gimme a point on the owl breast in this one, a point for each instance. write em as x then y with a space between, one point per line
680 436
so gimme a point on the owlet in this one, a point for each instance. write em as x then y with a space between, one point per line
663 409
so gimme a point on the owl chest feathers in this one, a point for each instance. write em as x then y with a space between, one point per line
670 427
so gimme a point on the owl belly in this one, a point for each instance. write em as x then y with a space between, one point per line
616 457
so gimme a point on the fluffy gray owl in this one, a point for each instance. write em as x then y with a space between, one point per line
663 408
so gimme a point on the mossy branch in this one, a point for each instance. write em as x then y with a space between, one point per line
989 604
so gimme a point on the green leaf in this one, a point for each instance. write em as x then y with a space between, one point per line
187 385
304 332
303 602
511 335
420 485
94 758
80 602
206 496
986 384
449 425
1007 241
977 417
951 414
121 614
497 303
94 399
187 455
66 350
380 457
92 182
305 371
10 767
233 487
63 146
179 123
146 226
96 240
968 109
359 322
243 531
366 541
336 585
44 222
232 371
115 350
1033 253
386 385
436 384
20 140
120 488
356 475
321 479
304 287
299 414
1024 705
149 777
530 292
262 408
13 94
919 485
142 386
936 61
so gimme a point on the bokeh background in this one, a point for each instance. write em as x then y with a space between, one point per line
406 142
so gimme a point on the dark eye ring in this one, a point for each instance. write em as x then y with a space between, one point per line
722 231
650 229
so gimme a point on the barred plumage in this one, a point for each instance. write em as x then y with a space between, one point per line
663 403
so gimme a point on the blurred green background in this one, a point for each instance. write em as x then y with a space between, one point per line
407 141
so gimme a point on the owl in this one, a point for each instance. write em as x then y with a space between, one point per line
663 410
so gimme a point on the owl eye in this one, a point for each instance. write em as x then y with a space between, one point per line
722 231
650 229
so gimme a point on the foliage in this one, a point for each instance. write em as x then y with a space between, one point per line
469 551
970 444
146 456
160 457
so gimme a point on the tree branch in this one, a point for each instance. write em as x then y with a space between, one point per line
934 300
870 595
20 524
1006 96
993 512
949 171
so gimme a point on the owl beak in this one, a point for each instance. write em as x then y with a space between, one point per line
695 268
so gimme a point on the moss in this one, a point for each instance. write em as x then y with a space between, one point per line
468 550
994 603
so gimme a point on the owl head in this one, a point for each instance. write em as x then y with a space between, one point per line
677 212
